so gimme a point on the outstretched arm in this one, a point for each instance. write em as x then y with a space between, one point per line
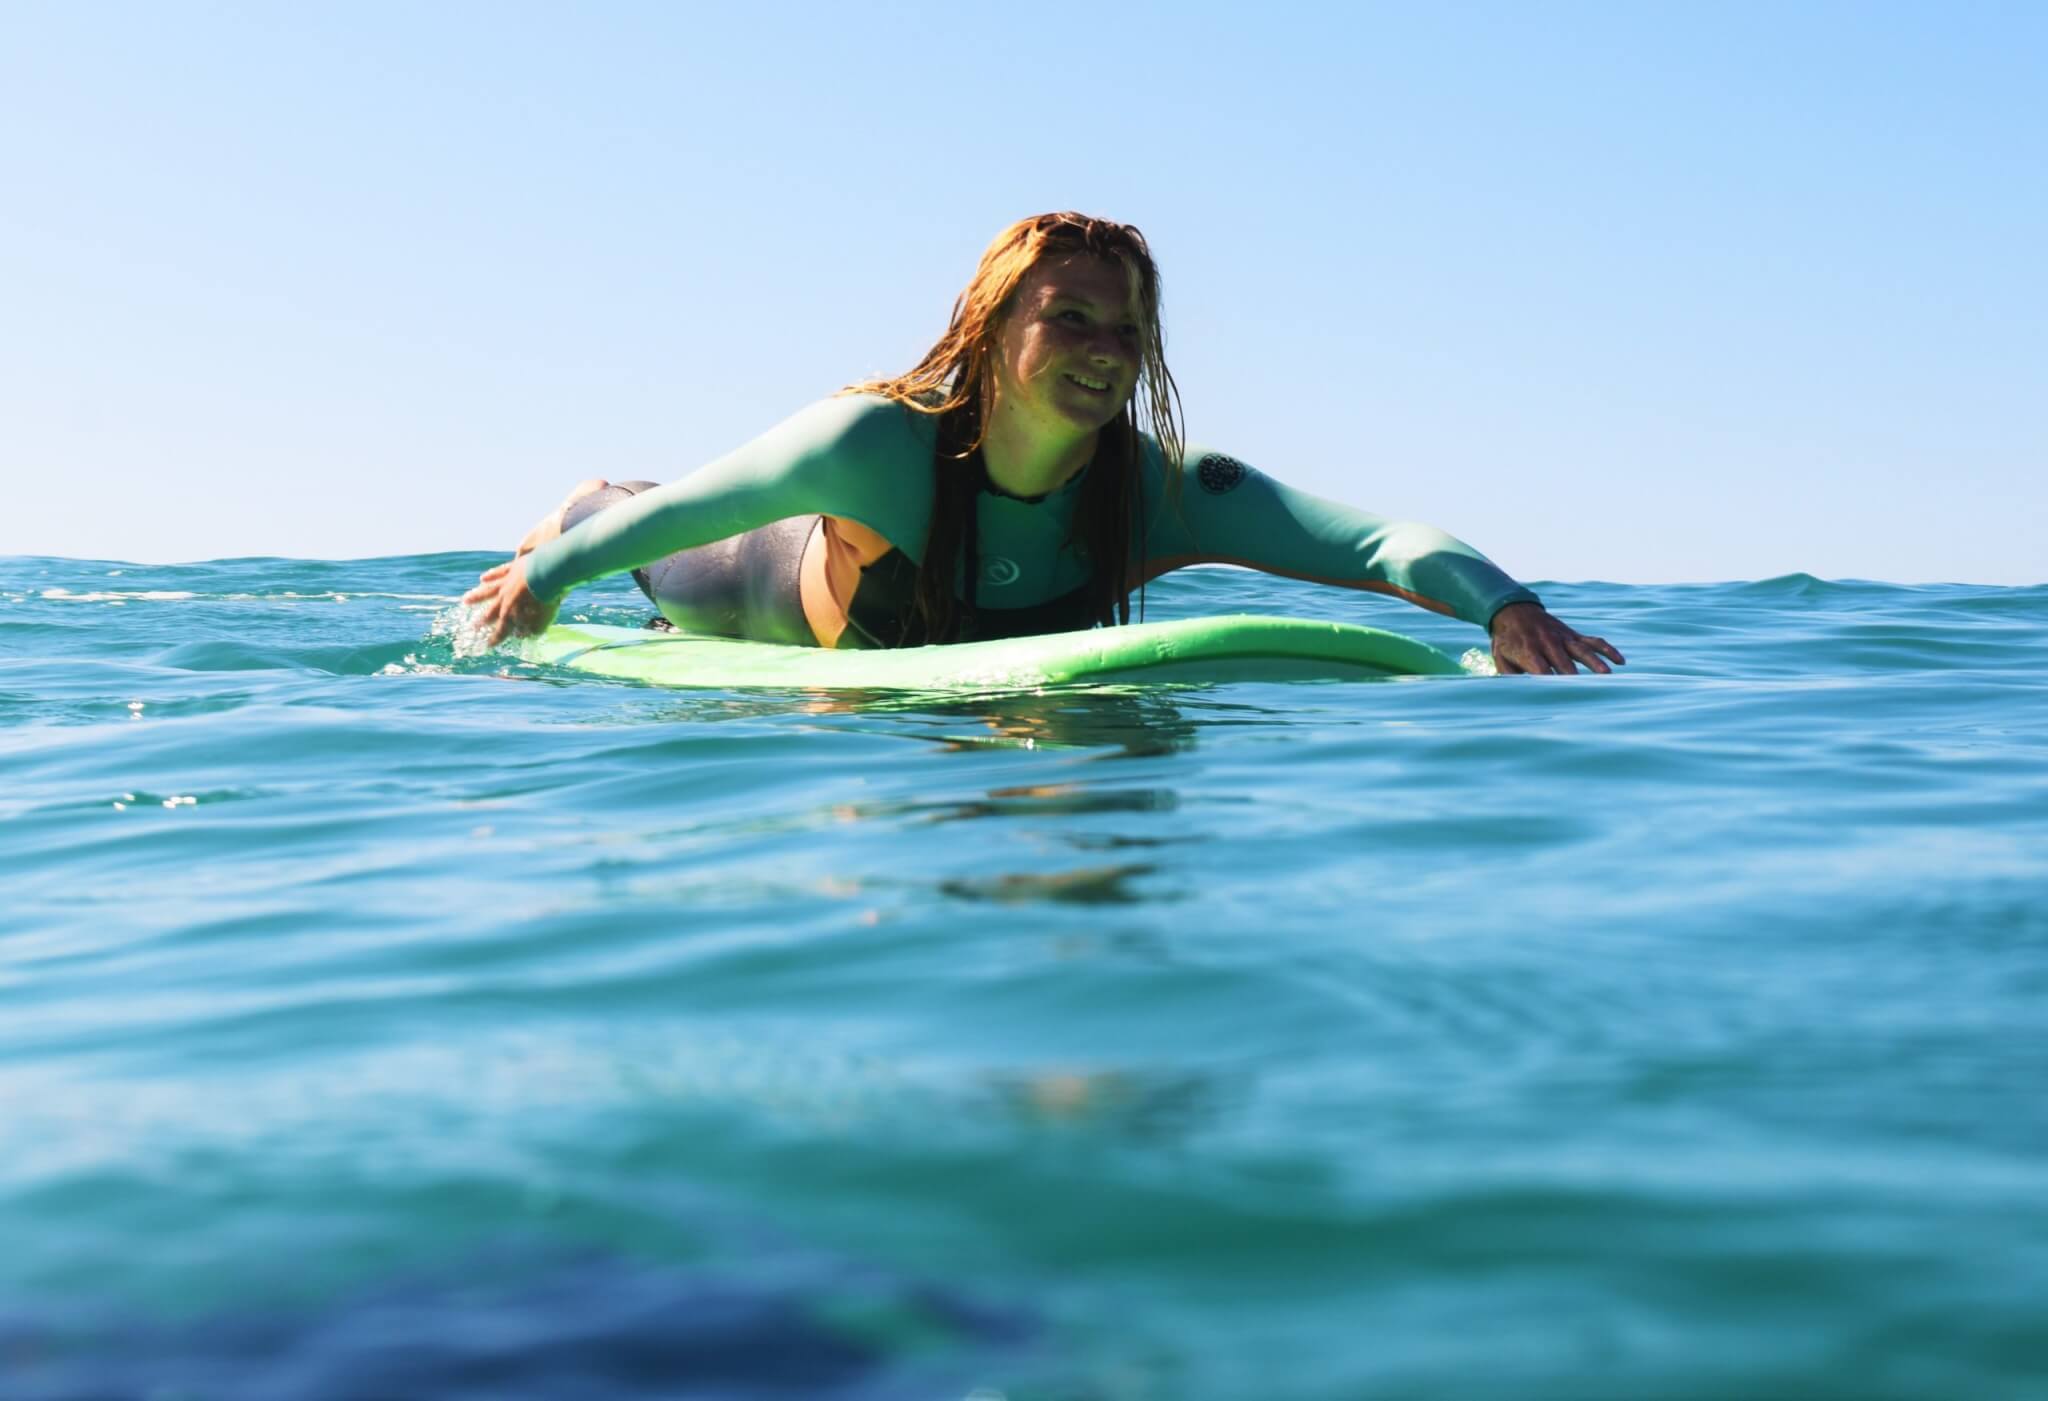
853 456
1230 513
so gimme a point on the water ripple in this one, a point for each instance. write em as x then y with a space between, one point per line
377 1017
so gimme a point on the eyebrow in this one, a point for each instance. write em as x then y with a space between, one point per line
1055 295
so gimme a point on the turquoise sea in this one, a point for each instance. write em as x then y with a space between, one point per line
378 1022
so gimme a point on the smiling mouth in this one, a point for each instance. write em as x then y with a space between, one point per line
1093 386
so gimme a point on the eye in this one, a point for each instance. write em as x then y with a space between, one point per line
1071 317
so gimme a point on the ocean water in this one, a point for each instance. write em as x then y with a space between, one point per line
378 1022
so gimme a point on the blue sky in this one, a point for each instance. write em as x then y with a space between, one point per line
1628 292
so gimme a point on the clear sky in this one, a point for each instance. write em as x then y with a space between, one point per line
1638 292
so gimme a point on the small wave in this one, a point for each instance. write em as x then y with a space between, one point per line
335 660
129 799
64 595
330 595
1805 586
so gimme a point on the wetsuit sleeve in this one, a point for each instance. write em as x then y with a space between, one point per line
1230 513
855 456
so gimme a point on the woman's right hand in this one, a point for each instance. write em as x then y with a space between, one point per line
502 601
505 605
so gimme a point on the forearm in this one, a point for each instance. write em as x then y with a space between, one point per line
1234 514
853 456
705 506
1435 570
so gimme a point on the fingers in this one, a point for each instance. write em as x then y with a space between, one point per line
1547 655
1590 650
502 621
1541 655
487 583
523 619
1549 648
489 612
1519 658
1582 649
504 607
1559 645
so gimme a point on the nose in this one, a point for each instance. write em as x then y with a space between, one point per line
1108 351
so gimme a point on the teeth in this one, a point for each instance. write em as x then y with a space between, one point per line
1087 383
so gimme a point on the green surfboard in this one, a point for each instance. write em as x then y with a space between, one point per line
1190 651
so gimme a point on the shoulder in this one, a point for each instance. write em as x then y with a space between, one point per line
1212 472
1203 472
862 457
869 428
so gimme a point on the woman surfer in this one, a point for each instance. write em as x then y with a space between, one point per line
1000 488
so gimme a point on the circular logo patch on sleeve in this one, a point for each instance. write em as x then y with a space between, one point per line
1219 474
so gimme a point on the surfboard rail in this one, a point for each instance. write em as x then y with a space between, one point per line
1235 647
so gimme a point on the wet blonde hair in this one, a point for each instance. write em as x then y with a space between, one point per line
955 381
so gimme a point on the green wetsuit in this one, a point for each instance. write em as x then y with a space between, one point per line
867 459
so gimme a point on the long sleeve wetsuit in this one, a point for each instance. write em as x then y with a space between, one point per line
870 460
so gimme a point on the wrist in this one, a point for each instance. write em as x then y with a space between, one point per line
534 573
1493 623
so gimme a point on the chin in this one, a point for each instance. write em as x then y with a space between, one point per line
1093 416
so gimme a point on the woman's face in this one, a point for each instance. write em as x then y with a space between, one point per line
1067 354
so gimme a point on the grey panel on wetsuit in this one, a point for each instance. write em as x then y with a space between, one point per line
743 586
858 457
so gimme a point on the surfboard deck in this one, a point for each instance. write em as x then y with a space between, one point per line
1243 647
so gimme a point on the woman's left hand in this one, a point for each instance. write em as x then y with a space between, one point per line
1527 639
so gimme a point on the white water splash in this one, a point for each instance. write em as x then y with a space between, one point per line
459 623
119 595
